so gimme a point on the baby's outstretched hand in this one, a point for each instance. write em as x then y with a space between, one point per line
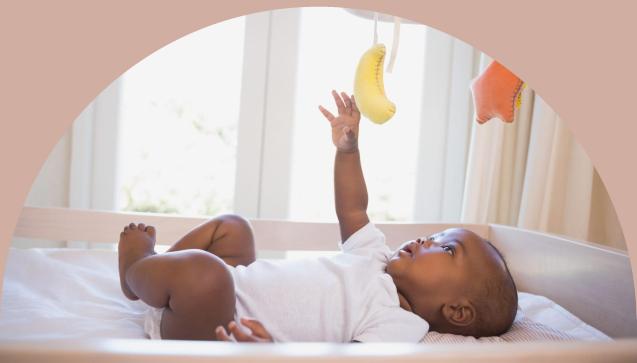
345 126
259 334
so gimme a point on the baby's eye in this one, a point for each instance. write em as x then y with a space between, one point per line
449 250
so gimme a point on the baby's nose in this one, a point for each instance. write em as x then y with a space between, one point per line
422 241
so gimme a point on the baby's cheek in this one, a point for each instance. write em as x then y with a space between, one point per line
395 267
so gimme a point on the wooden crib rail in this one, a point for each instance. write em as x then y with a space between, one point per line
593 282
67 224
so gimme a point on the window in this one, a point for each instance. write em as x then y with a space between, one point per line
328 55
178 119
226 120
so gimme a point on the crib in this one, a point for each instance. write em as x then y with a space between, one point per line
591 281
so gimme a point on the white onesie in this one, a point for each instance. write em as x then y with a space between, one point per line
327 299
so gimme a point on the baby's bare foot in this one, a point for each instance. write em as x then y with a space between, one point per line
135 243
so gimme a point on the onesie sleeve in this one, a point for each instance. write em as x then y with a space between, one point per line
393 325
369 241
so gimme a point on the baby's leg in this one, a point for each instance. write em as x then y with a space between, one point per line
228 236
194 286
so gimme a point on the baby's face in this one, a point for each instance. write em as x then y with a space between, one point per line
436 270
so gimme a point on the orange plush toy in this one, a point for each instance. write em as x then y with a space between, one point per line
496 93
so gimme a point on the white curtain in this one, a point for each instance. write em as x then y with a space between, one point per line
445 127
534 175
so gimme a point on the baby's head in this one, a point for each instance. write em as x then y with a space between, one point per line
457 281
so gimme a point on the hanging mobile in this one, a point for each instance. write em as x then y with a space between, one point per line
369 87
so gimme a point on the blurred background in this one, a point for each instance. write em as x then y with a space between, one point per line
226 120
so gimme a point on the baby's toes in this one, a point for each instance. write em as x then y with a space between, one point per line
141 227
132 226
151 231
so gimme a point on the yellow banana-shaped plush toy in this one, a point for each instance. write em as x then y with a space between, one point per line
369 89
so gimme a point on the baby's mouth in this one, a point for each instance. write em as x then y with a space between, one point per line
406 250
410 248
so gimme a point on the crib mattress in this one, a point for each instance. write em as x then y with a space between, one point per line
75 293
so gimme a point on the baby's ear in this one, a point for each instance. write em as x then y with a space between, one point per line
460 313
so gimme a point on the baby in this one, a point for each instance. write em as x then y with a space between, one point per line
451 282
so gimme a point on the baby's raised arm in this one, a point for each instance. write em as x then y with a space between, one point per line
350 190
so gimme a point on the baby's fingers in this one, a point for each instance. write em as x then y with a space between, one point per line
354 106
239 334
339 102
348 103
328 115
256 327
221 334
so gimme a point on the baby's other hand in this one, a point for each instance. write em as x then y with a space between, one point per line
345 126
259 334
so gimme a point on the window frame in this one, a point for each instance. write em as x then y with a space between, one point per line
264 145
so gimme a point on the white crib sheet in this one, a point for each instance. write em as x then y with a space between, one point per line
75 293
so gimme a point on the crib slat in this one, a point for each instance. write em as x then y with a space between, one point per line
95 226
105 226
